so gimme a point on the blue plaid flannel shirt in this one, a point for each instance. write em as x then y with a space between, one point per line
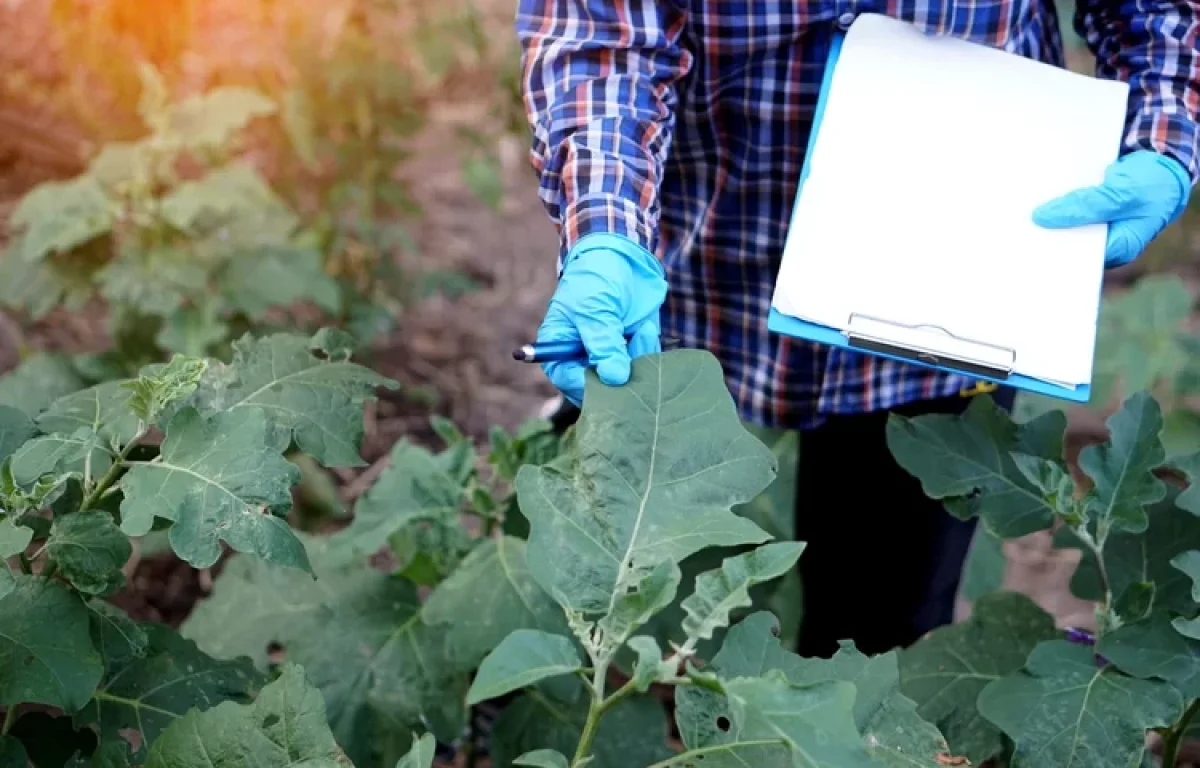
682 125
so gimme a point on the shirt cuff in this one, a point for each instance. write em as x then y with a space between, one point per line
1172 135
606 214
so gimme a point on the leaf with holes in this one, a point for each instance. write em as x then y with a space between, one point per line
1065 709
967 461
359 634
217 479
650 478
284 727
719 592
147 693
945 671
887 720
318 398
1151 648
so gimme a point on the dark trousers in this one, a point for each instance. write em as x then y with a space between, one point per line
883 561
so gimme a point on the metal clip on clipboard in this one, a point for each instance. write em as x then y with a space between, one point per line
929 344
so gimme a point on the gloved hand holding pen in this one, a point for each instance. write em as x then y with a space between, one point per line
610 289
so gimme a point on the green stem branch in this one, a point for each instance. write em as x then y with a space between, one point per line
10 716
596 711
110 477
1173 738
685 757
49 571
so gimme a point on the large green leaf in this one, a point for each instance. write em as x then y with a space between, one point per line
968 461
46 653
39 380
1065 709
118 638
90 551
57 457
886 718
217 479
650 478
358 633
489 596
815 722
319 398
285 727
632 733
58 216
103 409
1151 648
1132 558
522 659
415 488
254 604
15 429
945 671
1122 468
719 592
146 693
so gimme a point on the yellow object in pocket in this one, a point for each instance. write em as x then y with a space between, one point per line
980 388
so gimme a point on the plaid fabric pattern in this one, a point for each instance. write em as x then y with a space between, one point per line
682 125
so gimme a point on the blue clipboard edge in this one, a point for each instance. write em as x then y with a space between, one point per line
777 322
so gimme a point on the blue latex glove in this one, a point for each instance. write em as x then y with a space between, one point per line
610 288
1141 194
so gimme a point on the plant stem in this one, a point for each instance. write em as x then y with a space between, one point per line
692 754
596 711
110 477
49 571
10 717
1173 738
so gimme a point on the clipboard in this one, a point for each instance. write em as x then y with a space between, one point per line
916 344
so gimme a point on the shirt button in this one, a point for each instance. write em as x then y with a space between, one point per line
845 20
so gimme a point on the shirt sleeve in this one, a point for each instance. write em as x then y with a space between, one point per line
1152 45
598 84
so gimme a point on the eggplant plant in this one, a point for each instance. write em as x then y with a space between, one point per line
1007 683
196 448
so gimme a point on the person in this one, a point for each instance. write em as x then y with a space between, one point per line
668 138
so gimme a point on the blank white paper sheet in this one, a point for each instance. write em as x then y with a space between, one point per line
929 160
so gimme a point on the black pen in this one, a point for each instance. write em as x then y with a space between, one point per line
562 351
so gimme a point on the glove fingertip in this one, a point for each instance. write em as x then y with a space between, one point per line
614 371
646 340
568 378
